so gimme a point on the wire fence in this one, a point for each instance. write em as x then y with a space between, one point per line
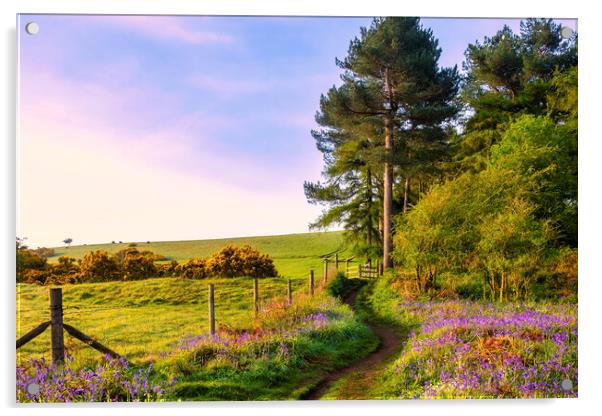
228 304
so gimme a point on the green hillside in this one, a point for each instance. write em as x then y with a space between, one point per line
128 316
294 254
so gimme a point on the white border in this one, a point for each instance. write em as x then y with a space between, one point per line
590 274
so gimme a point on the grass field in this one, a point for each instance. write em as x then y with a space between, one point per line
160 326
144 318
141 319
294 254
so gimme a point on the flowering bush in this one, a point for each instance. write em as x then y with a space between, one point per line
233 261
192 269
111 380
471 350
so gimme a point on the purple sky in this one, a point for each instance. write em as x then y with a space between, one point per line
167 128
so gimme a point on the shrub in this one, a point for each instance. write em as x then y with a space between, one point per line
97 266
134 264
132 245
472 290
232 261
120 256
137 266
193 269
45 252
168 270
338 286
481 223
28 260
34 276
66 271
559 279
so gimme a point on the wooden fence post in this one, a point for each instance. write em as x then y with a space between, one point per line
336 262
311 282
290 292
211 310
325 270
359 270
381 269
256 296
56 325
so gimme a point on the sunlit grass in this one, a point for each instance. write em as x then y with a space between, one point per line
141 319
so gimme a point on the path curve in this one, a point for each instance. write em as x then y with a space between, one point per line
390 342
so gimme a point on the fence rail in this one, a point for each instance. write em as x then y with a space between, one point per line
57 344
58 327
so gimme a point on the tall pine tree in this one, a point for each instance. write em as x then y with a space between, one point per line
391 82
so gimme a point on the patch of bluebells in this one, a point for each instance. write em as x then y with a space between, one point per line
274 339
464 349
261 340
111 380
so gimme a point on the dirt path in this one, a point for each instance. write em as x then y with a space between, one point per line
364 370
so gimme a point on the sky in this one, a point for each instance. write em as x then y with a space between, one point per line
136 128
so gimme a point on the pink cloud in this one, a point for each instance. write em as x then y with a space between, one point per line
167 28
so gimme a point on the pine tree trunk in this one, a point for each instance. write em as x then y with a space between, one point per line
369 199
388 176
406 192
387 195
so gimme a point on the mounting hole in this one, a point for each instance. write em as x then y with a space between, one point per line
566 32
32 28
33 388
566 385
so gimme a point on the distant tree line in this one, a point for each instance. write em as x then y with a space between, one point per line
132 264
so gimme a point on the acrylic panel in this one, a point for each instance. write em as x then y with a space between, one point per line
295 208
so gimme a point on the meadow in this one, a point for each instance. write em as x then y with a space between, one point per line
449 347
169 356
143 318
473 349
157 321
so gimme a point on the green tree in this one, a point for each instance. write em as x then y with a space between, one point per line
509 75
391 81
537 146
504 221
351 187
513 245
481 223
